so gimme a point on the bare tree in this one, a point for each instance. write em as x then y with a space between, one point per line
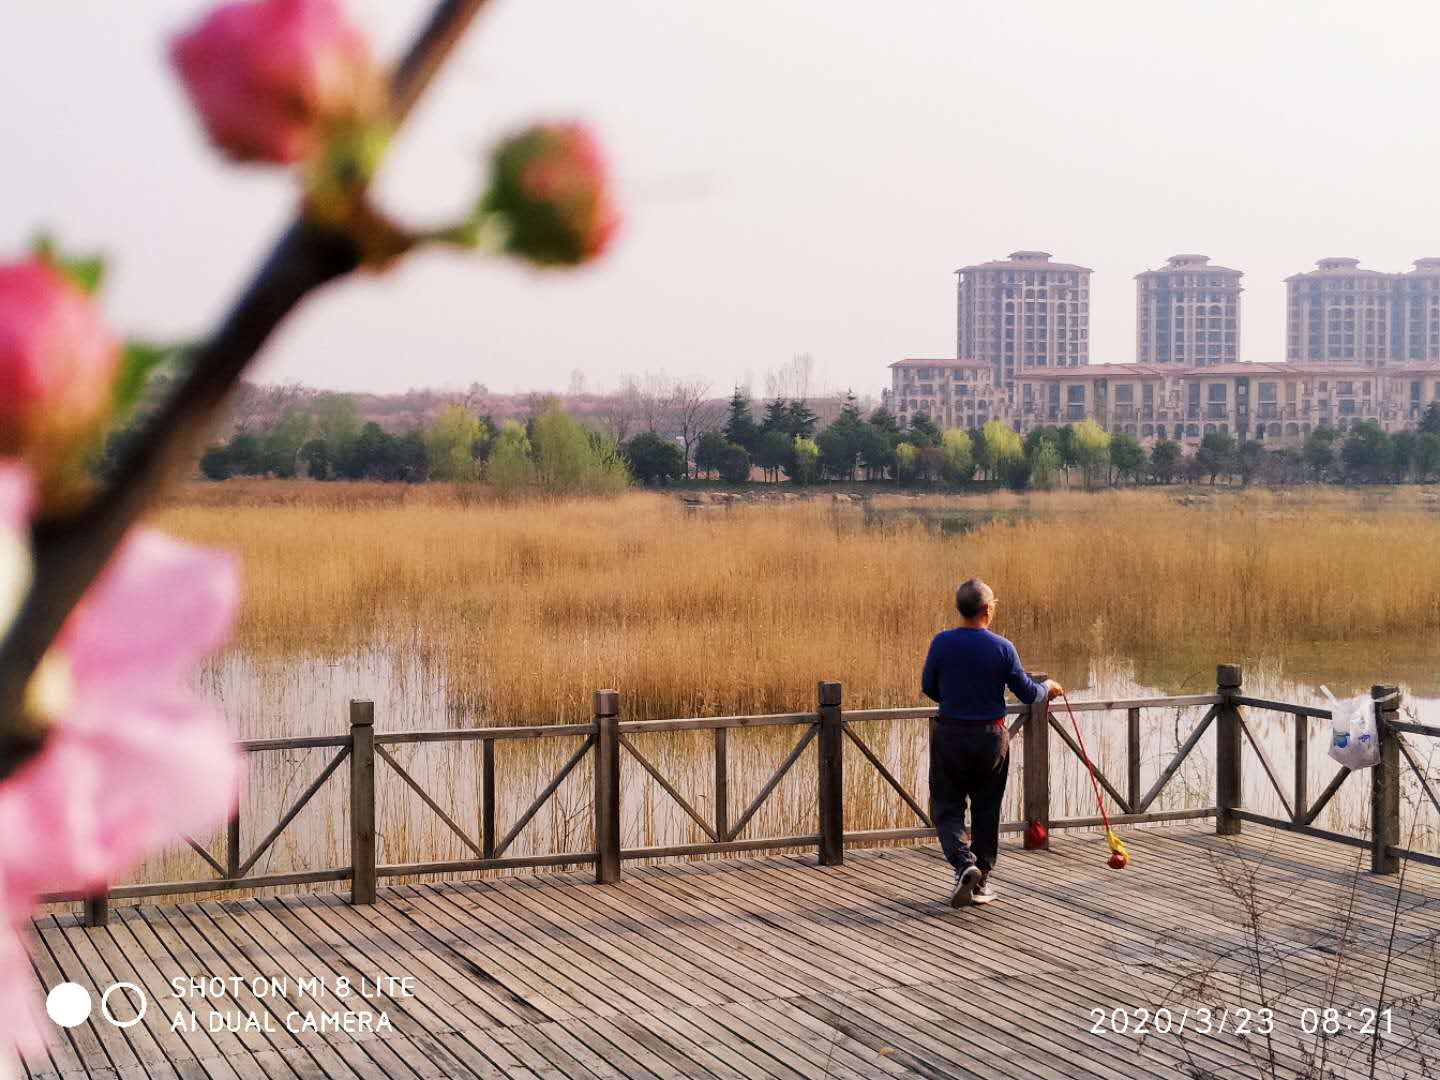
473 399
696 412
620 411
657 391
793 380
259 405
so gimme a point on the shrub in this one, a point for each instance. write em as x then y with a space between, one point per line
957 461
654 460
509 465
905 462
999 450
734 464
804 467
568 459
215 463
708 450
1044 464
450 445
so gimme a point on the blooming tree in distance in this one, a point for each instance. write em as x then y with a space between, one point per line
105 755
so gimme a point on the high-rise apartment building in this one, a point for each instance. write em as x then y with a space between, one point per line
1339 312
1188 313
1024 312
1420 323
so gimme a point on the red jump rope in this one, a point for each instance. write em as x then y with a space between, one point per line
1035 834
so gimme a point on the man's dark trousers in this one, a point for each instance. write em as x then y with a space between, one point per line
968 761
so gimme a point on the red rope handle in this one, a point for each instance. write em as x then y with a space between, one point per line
1089 765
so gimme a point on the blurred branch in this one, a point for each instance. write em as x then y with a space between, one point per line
71 551
428 53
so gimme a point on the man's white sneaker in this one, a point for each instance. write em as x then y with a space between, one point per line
966 882
984 893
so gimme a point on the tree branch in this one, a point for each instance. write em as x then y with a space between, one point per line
71 551
428 53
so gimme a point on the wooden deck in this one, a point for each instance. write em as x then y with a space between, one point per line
775 967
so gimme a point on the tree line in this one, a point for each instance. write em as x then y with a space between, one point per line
785 444
322 437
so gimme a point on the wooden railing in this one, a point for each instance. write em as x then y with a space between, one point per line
1396 755
609 739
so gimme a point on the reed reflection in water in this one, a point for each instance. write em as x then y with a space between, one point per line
311 698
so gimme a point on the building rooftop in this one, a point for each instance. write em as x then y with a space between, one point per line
1189 262
1415 367
947 362
1024 260
1425 266
1280 367
1337 265
1252 368
1100 371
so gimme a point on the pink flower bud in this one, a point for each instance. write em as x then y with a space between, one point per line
58 365
551 191
271 78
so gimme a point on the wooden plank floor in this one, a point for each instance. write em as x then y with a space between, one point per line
773 967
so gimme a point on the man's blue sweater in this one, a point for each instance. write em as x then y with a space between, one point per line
967 671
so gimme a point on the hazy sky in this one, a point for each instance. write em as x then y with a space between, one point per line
798 176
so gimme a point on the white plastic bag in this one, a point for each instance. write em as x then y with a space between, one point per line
1354 740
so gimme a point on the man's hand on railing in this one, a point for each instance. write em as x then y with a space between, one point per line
1052 689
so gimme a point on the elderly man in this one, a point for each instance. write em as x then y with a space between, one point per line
966 672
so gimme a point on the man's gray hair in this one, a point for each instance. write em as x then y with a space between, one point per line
972 596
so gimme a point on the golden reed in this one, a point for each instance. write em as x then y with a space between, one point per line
530 605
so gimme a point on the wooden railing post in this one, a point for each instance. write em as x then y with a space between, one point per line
1228 792
1132 760
1036 735
722 784
832 775
362 802
487 798
97 908
232 845
607 787
1302 768
1385 783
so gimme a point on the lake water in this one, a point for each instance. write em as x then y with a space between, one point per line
311 697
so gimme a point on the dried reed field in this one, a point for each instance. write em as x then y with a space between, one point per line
742 608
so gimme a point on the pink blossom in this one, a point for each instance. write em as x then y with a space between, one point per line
16 496
131 760
58 364
20 1019
22 1023
270 78
550 186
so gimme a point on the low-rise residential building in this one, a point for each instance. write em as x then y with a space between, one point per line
1275 403
953 393
1278 404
